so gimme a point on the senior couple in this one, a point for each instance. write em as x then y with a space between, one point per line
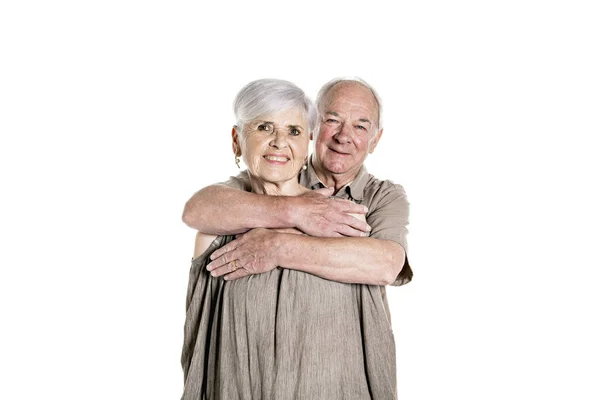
286 295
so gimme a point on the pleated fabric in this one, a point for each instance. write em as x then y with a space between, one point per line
285 334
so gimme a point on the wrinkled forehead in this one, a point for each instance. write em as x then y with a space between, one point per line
350 97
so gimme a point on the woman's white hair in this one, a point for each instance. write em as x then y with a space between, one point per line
332 83
270 96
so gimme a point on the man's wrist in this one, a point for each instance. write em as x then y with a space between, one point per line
289 206
281 246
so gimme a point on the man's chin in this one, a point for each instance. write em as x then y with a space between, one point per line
336 168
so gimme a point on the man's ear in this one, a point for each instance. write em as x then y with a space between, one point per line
374 141
235 142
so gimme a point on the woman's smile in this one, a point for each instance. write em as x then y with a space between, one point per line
276 159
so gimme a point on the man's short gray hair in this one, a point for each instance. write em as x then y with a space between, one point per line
332 83
270 96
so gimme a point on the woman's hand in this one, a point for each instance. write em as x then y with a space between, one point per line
250 253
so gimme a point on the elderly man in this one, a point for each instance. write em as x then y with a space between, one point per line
333 248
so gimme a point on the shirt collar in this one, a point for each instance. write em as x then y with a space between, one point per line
354 189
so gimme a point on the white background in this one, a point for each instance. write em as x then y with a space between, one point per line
113 113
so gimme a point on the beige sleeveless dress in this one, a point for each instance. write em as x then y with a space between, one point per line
285 334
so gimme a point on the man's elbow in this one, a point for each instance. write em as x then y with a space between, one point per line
394 263
191 215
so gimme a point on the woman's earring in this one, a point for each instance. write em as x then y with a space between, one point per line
304 167
237 161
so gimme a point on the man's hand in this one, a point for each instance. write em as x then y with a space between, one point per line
253 252
320 215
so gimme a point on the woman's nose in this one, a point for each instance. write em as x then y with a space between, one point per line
279 139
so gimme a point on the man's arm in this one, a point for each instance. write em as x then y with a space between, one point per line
221 210
350 260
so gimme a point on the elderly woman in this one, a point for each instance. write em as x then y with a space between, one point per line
281 334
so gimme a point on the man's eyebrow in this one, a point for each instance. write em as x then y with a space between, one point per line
364 120
332 113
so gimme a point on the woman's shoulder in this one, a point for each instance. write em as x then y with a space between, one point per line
240 182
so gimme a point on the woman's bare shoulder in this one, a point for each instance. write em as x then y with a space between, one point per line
203 241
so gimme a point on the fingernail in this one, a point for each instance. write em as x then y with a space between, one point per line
366 209
369 228
213 273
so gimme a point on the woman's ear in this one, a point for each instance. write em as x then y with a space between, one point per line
235 143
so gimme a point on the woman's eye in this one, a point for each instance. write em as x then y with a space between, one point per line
265 127
294 132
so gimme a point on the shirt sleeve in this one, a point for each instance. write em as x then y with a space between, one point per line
240 182
388 218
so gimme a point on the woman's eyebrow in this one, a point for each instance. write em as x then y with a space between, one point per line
296 126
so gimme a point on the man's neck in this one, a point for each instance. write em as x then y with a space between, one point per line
330 179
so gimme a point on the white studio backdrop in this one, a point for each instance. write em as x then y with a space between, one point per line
113 113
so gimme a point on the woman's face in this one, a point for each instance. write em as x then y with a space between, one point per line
274 147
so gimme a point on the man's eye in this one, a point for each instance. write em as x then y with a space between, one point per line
331 121
361 127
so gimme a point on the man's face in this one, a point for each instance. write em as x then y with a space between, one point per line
347 131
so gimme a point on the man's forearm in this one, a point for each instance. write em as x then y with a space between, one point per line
220 210
350 260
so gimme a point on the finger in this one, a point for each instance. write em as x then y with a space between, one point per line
225 249
346 230
336 234
349 207
240 273
355 223
227 268
222 260
324 191
223 270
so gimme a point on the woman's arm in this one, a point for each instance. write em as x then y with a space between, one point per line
202 242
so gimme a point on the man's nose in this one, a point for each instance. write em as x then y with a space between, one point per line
344 135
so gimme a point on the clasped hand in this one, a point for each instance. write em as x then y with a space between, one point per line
250 253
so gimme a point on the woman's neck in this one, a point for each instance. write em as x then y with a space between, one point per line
288 188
